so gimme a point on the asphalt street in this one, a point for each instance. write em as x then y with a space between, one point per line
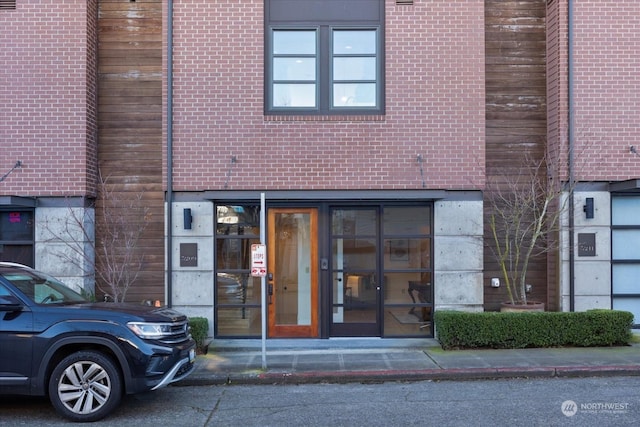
600 401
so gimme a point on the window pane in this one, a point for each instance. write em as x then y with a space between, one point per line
625 278
294 69
354 95
354 253
625 211
239 322
407 220
17 225
294 95
234 254
22 254
350 222
407 254
354 42
407 288
237 289
294 42
239 220
626 244
354 68
399 321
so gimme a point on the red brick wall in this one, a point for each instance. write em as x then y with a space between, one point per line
434 106
606 88
47 97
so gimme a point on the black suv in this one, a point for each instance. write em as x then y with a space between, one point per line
84 355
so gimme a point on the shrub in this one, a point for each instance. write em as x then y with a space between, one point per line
199 330
593 328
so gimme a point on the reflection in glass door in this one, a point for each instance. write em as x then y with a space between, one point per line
292 274
355 290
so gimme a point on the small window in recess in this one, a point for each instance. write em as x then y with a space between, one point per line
404 2
7 4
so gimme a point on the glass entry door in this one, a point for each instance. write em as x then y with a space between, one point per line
356 287
292 275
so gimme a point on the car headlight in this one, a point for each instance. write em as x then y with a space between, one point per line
150 330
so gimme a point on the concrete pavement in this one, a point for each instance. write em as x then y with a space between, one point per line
340 360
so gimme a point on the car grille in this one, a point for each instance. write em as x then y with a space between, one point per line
179 333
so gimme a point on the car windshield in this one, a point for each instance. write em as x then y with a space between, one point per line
41 288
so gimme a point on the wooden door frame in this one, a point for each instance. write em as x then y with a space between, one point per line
292 331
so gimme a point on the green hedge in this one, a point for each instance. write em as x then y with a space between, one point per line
593 328
199 330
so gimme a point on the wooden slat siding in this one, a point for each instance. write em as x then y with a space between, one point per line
556 91
130 123
515 66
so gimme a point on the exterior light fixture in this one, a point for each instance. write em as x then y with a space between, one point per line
588 207
188 219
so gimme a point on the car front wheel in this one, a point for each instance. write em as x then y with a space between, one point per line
85 386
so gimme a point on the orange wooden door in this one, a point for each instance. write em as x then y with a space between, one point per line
292 280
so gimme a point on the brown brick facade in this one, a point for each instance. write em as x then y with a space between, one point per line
47 97
434 107
606 86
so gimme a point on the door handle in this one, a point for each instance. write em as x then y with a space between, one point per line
270 292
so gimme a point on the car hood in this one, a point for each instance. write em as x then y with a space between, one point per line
136 311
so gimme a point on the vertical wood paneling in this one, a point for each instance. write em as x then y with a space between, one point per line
516 110
130 123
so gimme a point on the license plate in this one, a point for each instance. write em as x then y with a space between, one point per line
192 355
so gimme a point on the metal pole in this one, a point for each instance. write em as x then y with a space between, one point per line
571 143
263 283
169 290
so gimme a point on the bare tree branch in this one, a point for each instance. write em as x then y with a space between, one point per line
105 249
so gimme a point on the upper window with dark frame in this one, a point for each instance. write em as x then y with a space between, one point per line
324 57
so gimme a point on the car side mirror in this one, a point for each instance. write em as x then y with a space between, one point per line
10 303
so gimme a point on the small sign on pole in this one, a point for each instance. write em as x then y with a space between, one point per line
258 260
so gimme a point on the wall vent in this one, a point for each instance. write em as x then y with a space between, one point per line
404 2
7 4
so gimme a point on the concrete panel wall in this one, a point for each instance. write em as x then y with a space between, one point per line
192 287
64 242
458 255
592 274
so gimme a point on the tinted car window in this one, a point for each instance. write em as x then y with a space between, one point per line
41 288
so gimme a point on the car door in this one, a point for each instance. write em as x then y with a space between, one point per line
16 342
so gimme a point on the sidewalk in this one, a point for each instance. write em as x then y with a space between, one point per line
340 360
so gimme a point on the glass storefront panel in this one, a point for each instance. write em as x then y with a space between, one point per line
16 236
625 244
408 284
351 222
22 254
407 254
234 254
237 289
354 253
400 322
380 271
16 225
237 294
239 322
407 220
407 288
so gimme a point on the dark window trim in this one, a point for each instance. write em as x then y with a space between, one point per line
299 20
21 242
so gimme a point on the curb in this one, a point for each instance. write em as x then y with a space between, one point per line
343 377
